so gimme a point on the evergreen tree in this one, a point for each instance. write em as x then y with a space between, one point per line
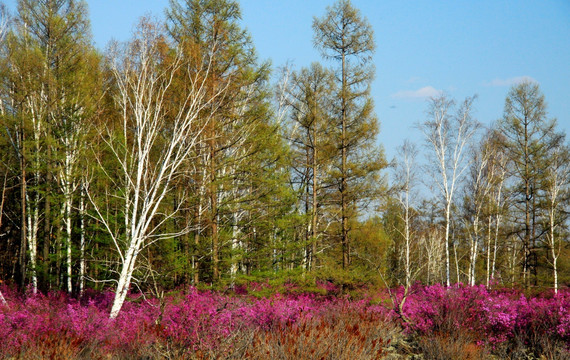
528 137
51 84
345 37
310 97
241 149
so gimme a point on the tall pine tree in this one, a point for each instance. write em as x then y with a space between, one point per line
528 137
345 37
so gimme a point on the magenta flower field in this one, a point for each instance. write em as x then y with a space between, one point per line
470 322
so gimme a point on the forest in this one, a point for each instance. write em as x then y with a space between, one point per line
179 159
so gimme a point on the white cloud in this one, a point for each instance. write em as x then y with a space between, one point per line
510 81
423 93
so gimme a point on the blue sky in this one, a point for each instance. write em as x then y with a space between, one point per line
462 47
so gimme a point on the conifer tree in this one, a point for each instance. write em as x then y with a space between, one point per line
51 83
528 137
310 98
239 138
345 37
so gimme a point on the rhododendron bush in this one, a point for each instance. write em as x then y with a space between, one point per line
207 324
500 320
190 322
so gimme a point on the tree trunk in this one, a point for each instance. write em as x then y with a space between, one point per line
3 300
124 280
24 216
343 186
488 262
47 225
314 215
82 263
308 224
554 255
474 251
408 250
447 224
68 230
495 239
32 238
213 188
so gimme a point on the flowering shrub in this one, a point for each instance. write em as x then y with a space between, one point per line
498 319
206 324
190 323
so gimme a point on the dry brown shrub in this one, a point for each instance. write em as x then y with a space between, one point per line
343 336
446 347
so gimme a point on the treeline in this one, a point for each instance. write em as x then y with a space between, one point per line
499 211
173 159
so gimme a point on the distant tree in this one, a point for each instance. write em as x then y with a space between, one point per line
557 188
4 21
50 81
447 132
406 177
494 209
345 37
309 97
528 138
25 111
478 187
240 138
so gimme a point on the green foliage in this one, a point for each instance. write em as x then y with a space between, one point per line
272 197
355 170
528 138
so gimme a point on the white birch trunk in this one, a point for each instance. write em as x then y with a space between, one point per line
33 214
553 252
67 188
32 238
474 251
142 89
68 244
406 177
124 281
82 263
495 240
497 224
448 136
408 246
235 247
447 272
456 262
558 184
488 260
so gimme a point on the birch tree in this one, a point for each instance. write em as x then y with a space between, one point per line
4 23
477 192
26 110
406 177
154 143
447 132
496 201
50 64
431 240
557 187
